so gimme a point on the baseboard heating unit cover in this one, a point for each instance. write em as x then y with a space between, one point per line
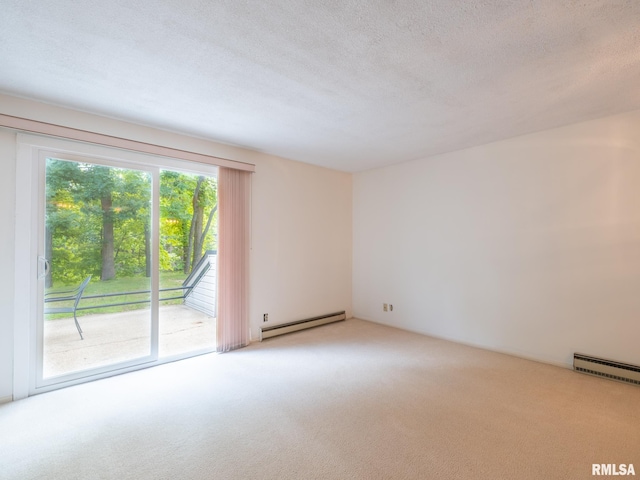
601 367
268 332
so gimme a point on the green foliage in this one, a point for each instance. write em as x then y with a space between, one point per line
177 213
84 200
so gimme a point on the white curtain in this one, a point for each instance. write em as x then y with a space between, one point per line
234 196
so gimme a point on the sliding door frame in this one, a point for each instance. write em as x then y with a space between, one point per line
152 356
30 182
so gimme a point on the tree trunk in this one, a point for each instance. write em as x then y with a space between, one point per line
197 240
208 225
108 261
192 231
186 250
187 255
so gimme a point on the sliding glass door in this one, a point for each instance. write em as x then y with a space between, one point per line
126 266
98 258
188 262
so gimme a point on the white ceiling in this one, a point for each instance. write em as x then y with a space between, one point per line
347 84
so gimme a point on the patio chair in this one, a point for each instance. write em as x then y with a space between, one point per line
70 295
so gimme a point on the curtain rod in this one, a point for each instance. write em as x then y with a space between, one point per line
43 128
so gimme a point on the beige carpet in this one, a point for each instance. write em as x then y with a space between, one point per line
352 400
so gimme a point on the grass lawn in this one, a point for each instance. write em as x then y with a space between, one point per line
120 285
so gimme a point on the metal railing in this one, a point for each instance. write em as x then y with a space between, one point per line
185 292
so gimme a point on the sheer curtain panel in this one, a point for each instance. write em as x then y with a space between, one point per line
234 194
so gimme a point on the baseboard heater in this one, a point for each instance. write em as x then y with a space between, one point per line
601 367
268 332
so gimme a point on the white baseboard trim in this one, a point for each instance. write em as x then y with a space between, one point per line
6 399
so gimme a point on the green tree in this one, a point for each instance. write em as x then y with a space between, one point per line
98 221
204 196
121 199
186 201
61 219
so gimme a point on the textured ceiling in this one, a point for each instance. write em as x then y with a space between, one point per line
348 84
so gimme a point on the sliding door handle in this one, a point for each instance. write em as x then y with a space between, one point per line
43 267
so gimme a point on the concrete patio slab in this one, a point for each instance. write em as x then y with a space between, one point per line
118 337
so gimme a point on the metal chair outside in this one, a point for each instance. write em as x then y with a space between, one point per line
70 295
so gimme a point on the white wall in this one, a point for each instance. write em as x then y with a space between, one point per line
301 241
301 253
529 246
7 220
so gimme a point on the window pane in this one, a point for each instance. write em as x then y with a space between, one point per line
188 243
97 245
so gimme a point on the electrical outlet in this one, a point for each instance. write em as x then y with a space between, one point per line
391 307
385 307
265 317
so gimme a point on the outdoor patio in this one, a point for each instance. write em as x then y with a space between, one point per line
118 337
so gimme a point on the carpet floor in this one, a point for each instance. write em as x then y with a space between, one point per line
352 400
